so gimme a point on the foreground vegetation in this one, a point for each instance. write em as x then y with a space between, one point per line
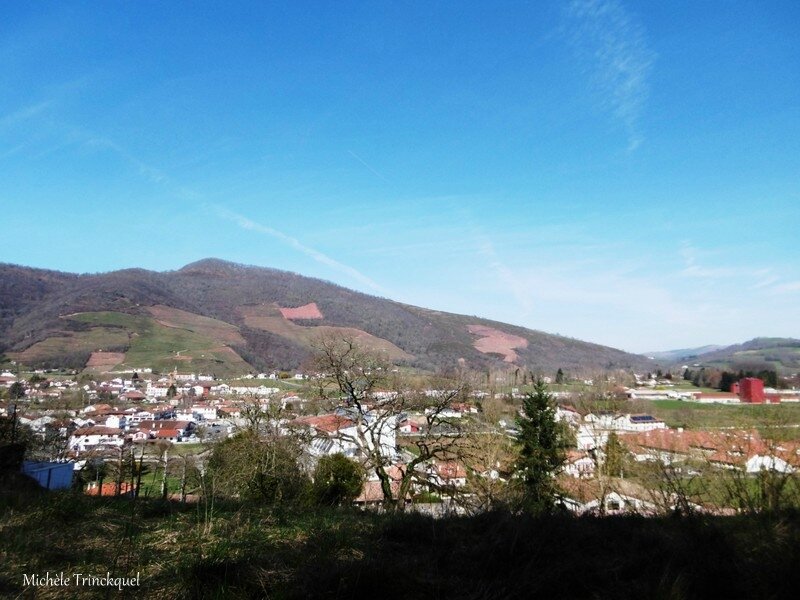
248 551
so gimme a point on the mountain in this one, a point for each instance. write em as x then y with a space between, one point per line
225 318
779 354
674 356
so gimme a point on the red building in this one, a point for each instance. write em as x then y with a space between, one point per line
751 389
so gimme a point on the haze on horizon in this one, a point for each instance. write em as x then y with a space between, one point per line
622 173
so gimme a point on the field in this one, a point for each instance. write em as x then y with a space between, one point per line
79 342
773 420
152 344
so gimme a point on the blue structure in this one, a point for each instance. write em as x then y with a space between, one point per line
50 475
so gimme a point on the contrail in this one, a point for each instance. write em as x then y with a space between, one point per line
318 256
363 162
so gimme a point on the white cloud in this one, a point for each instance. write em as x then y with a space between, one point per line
608 39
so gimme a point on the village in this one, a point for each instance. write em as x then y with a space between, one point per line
179 417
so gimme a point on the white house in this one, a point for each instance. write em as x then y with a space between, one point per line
637 423
447 474
116 421
206 411
568 415
339 433
758 463
579 464
93 437
591 436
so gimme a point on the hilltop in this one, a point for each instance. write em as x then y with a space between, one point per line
779 354
226 318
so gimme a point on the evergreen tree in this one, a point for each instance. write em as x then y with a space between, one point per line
542 449
615 455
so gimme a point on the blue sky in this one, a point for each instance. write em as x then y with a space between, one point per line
626 173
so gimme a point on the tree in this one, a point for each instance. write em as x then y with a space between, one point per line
542 449
614 456
371 393
560 376
16 391
259 468
337 480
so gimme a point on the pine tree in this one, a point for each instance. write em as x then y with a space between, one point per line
542 449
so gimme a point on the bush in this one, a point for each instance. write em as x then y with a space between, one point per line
259 468
337 480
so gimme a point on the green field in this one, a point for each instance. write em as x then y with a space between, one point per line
153 345
773 420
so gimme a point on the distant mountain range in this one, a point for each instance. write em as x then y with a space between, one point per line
779 354
682 354
225 318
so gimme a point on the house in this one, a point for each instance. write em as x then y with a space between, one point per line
637 423
132 396
758 463
331 434
229 412
183 428
97 409
610 497
116 420
411 426
579 464
591 436
568 415
718 397
372 492
88 438
347 432
727 448
447 474
170 435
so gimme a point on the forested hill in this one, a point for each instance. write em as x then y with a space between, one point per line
779 354
227 318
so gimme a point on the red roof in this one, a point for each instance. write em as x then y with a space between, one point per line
450 470
326 423
168 433
97 430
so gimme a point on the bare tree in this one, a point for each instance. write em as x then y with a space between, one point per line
369 391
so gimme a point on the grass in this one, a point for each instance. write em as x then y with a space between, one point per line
780 418
249 551
153 345
79 341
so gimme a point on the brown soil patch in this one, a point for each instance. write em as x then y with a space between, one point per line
307 311
105 360
212 328
495 341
